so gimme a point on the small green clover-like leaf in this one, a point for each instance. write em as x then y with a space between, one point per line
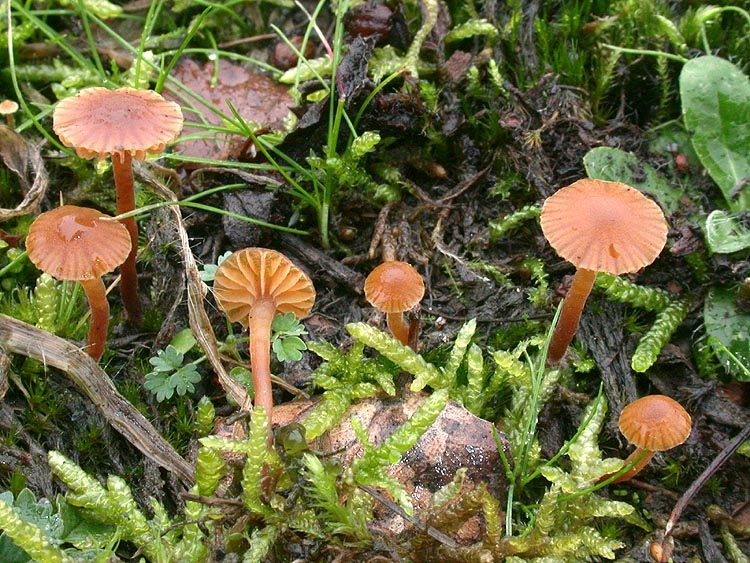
184 378
157 383
170 375
286 343
167 360
288 349
209 270
287 324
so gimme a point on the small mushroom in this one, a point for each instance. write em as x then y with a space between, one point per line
81 244
127 124
395 287
7 109
251 287
654 423
598 226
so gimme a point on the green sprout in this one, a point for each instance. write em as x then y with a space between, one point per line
170 376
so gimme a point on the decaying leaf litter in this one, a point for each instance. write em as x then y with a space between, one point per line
441 224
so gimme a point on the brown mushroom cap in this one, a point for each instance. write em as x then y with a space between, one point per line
604 226
655 423
394 287
98 122
77 243
8 107
254 273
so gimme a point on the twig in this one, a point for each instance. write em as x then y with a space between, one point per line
422 526
712 468
20 338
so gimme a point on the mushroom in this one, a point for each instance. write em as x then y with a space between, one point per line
395 287
598 226
251 287
654 423
126 123
81 244
7 109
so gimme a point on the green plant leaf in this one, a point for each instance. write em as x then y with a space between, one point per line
184 340
170 375
716 106
725 234
289 349
208 272
167 360
287 324
615 165
726 328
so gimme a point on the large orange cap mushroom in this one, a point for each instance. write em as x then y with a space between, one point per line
128 124
395 287
98 122
80 244
252 286
598 226
654 423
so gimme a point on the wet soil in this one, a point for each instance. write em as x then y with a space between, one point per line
455 179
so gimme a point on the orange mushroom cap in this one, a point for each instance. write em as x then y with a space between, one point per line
394 287
655 423
98 122
77 243
604 226
254 273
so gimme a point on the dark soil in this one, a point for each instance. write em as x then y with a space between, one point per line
457 178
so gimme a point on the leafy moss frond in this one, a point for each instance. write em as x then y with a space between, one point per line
261 542
209 469
340 518
666 323
111 505
369 469
403 356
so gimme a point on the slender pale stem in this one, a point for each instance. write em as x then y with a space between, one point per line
570 315
398 327
122 168
645 457
99 323
259 324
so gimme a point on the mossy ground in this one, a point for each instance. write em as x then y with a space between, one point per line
496 123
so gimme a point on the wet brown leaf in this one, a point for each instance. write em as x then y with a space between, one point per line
456 439
25 161
257 98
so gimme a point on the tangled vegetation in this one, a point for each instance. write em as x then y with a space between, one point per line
345 134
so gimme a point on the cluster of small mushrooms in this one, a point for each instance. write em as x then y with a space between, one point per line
616 230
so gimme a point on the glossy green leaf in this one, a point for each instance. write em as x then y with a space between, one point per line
615 165
725 233
716 106
728 330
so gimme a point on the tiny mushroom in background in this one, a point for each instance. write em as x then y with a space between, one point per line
8 108
598 226
127 124
81 244
654 423
252 286
395 287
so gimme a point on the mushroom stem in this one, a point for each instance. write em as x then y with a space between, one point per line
122 168
641 458
398 327
567 324
99 323
259 324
